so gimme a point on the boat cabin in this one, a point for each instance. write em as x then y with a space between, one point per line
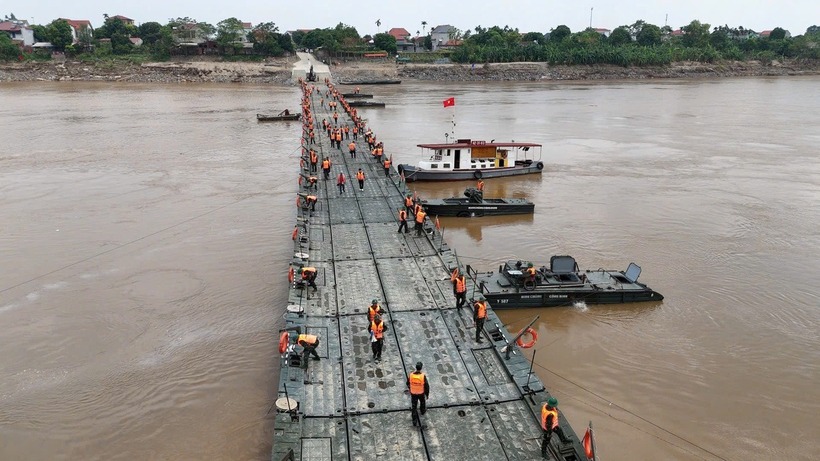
467 154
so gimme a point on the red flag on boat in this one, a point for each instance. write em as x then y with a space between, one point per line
587 442
438 224
449 102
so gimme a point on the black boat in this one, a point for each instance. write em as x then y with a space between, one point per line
356 103
357 96
371 82
474 204
561 284
276 118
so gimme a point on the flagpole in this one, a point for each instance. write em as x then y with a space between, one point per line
592 439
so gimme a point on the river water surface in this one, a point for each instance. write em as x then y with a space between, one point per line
144 239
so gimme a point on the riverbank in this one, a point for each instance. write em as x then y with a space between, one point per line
278 71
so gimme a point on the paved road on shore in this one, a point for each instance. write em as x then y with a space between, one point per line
302 66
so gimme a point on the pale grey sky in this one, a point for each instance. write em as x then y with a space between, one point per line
526 15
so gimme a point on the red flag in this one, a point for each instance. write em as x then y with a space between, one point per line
438 224
449 102
587 442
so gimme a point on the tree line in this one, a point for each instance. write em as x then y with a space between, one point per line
639 44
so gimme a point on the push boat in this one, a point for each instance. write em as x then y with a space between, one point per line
470 159
474 204
561 284
359 103
279 117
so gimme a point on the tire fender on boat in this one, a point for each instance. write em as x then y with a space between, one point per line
540 165
284 339
533 339
478 174
529 285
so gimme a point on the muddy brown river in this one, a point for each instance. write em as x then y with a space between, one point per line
145 235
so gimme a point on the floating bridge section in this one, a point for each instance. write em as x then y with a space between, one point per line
348 406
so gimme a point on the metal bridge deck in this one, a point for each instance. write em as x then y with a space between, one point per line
481 405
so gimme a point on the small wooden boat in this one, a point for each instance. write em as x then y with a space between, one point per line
357 96
356 103
474 204
284 115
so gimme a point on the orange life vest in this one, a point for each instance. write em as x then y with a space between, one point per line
408 201
420 215
371 311
387 164
377 329
461 284
307 272
481 309
325 164
352 146
360 176
417 383
310 339
545 413
402 215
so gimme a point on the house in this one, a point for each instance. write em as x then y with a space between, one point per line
441 35
450 44
136 41
247 28
403 38
19 31
189 34
77 28
126 21
766 33
604 32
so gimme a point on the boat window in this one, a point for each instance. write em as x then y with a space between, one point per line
446 165
433 166
437 155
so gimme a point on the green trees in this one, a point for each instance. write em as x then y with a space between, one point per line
778 33
620 36
150 32
8 50
267 40
649 35
695 35
229 33
58 33
118 32
385 42
560 33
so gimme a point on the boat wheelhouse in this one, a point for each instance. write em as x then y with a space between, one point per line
471 159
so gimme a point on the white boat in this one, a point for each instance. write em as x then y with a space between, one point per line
469 159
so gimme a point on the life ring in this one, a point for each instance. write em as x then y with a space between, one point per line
298 202
540 165
477 174
291 274
529 285
295 233
284 339
300 180
531 342
504 154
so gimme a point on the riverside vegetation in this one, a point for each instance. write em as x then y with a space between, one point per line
640 50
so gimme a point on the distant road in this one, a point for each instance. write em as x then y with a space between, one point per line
302 66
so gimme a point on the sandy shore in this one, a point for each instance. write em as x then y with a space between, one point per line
279 71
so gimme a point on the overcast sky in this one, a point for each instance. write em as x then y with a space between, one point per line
526 15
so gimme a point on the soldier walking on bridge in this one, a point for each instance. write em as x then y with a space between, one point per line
403 220
352 148
420 215
479 316
419 391
340 181
309 344
377 329
459 287
360 178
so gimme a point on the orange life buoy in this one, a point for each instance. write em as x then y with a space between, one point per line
291 274
284 339
531 342
295 233
298 203
300 180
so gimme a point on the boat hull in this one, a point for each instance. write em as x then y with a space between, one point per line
519 298
463 208
277 118
412 173
361 103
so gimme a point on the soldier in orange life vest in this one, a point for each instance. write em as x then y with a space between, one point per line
377 329
309 344
459 287
531 272
479 315
549 423
403 220
309 276
419 391
310 202
373 310
314 161
387 164
420 215
352 148
326 168
340 181
408 204
360 178
480 185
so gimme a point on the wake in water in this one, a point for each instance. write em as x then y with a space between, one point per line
580 305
